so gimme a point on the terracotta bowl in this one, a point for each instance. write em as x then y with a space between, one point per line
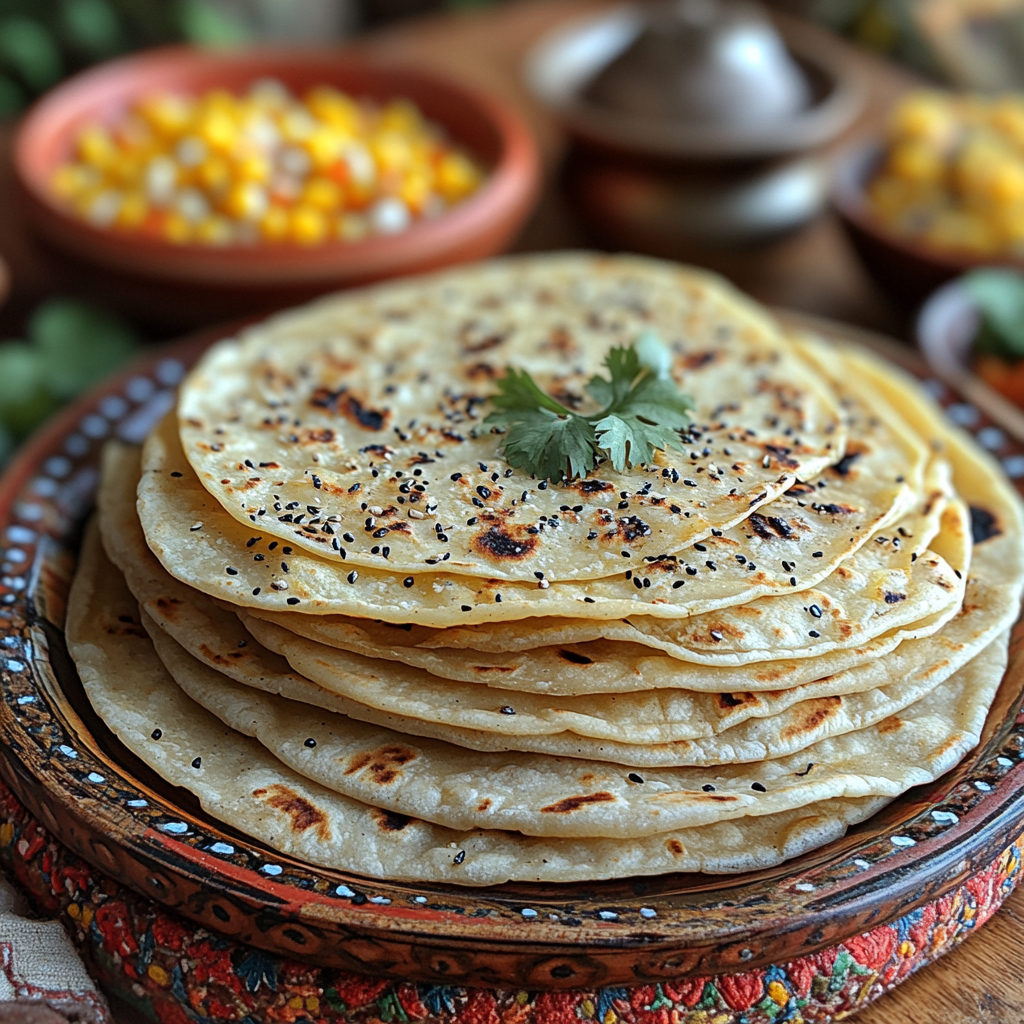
191 283
905 269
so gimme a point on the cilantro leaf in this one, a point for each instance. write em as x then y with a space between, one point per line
551 447
642 411
518 390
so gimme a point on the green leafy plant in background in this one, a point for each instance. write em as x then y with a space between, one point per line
70 346
999 297
42 41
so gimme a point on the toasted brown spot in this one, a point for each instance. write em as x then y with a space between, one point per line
890 724
845 464
303 814
511 544
836 510
481 371
723 628
126 626
485 806
593 486
983 525
891 598
491 341
383 765
324 435
732 700
781 456
770 527
391 821
695 360
675 847
771 675
574 803
817 712
169 608
494 668
341 403
800 488
216 658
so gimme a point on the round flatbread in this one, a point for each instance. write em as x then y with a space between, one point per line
360 414
242 784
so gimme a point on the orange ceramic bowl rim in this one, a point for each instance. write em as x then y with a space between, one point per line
484 125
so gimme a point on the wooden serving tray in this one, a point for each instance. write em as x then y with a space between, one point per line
104 805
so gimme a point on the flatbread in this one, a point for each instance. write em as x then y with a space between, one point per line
505 655
240 783
796 543
212 635
369 401
916 668
563 796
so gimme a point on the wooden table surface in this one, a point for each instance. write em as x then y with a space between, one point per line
981 982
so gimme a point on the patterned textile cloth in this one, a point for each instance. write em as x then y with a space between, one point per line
38 964
177 972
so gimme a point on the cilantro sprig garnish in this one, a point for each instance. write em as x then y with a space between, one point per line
641 410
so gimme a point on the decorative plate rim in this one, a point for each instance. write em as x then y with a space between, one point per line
628 930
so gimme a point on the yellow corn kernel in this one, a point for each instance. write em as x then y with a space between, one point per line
324 146
335 108
274 225
168 115
221 100
218 130
133 212
296 124
1006 182
457 176
392 151
307 225
926 116
214 174
416 189
1010 223
176 228
247 200
96 147
252 167
1007 117
916 161
322 193
777 992
72 180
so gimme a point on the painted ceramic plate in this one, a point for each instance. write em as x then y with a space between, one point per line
107 806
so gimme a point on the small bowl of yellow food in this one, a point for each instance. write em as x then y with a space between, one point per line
211 184
940 194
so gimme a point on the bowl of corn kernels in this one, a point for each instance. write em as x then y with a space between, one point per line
229 182
941 193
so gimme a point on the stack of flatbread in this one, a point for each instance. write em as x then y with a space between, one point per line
321 599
